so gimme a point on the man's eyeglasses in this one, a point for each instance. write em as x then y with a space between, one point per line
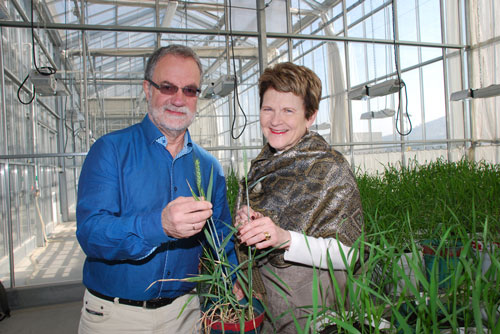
167 89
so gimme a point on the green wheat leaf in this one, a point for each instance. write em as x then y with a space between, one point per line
210 185
192 191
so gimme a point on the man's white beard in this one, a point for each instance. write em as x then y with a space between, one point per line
160 120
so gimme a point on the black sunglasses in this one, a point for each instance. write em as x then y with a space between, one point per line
167 89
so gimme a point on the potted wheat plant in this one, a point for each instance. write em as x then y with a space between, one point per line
222 311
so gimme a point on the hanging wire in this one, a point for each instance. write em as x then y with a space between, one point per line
399 112
44 70
236 99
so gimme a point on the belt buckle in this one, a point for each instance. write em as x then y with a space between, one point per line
157 303
150 304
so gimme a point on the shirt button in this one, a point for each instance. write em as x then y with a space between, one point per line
168 273
175 188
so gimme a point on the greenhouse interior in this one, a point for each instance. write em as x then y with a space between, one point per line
410 97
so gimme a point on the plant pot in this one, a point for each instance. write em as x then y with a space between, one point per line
250 326
409 316
408 311
404 263
446 261
485 251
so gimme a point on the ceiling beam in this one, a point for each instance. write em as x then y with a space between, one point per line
201 51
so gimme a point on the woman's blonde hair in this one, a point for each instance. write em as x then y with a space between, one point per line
290 78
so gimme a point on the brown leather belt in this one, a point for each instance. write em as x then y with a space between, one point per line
152 303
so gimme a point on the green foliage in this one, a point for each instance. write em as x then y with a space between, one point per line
432 197
392 292
215 283
232 182
389 290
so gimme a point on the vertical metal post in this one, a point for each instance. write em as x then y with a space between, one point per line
420 72
85 83
40 232
229 54
289 30
466 62
40 235
348 84
262 39
63 187
445 78
367 70
5 140
397 60
157 23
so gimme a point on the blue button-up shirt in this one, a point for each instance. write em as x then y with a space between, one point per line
128 177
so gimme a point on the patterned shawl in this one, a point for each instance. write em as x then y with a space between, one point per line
309 189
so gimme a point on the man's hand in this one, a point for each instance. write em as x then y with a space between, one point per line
185 216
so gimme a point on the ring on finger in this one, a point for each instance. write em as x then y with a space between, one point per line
267 235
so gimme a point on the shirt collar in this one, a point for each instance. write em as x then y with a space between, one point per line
153 134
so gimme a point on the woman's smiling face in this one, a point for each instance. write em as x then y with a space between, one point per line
283 120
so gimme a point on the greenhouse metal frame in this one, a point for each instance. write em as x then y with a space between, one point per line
98 50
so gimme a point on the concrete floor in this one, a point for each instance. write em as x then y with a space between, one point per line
61 260
54 319
48 293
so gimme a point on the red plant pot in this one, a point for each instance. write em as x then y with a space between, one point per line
252 326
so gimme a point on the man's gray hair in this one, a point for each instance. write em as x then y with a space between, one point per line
174 49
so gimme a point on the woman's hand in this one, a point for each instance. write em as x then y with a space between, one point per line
255 229
246 215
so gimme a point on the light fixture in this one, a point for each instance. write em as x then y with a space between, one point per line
169 14
321 126
46 84
221 87
380 89
490 91
208 92
358 94
378 114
